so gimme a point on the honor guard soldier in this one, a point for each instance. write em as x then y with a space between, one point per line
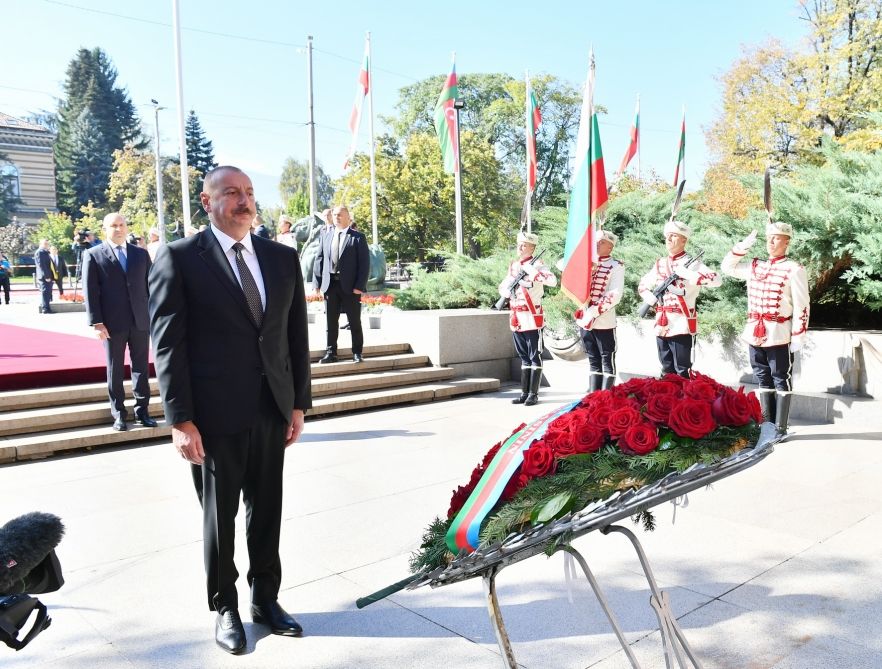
672 286
597 317
777 313
524 286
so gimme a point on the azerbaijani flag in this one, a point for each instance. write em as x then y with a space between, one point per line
587 198
680 172
445 123
364 85
534 120
635 141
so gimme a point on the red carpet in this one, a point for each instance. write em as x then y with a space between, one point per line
38 359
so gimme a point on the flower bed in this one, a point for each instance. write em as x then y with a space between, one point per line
612 440
374 304
70 297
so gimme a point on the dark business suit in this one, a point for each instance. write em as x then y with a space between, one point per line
239 384
118 299
352 271
44 278
61 273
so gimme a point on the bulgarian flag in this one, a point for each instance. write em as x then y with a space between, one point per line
587 199
364 85
445 123
680 172
635 141
534 120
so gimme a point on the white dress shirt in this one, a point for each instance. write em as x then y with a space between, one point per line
226 242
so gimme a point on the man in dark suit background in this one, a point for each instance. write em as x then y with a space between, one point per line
340 273
45 279
228 315
115 291
60 265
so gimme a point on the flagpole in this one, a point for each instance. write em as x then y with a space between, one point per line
457 178
311 124
683 178
373 163
639 143
527 144
182 134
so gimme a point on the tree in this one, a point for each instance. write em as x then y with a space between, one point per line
91 85
14 239
89 164
132 189
295 180
200 156
415 198
298 205
58 228
778 104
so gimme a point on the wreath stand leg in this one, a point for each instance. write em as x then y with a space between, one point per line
670 631
508 658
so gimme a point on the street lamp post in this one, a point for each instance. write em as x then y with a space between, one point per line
160 223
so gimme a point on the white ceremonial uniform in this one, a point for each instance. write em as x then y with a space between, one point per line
607 287
777 298
526 305
676 315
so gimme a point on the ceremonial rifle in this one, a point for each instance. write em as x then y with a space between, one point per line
665 286
502 302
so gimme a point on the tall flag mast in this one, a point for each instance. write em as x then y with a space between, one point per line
447 128
533 121
634 145
680 172
587 199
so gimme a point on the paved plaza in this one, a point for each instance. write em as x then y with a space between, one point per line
778 566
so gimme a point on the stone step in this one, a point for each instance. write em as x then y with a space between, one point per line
391 378
46 443
18 400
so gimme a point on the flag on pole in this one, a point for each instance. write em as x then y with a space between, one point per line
680 172
587 198
635 141
534 120
445 123
361 91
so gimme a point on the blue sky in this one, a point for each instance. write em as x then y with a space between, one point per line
245 68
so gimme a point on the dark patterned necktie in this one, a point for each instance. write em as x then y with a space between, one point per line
249 286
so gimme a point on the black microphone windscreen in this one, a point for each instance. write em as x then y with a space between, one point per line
24 543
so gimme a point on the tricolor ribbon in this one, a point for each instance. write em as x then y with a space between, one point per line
465 529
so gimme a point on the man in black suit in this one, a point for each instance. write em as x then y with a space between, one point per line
45 279
340 273
115 291
60 268
228 316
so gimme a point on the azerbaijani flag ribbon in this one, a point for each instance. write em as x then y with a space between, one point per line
635 140
680 172
364 85
445 123
466 527
534 120
587 198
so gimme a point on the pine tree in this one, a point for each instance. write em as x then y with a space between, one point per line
91 85
200 155
90 163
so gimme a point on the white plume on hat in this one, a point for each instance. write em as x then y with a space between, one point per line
528 238
779 228
607 236
678 227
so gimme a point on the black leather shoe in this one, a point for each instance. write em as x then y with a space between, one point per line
278 620
330 356
120 425
356 357
146 420
229 633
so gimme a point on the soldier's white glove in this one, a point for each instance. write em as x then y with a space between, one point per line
649 297
591 313
531 271
526 283
796 344
746 243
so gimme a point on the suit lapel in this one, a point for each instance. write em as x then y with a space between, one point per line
262 251
213 255
111 257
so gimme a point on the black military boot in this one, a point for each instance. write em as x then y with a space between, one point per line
767 404
525 386
595 381
782 412
535 382
608 381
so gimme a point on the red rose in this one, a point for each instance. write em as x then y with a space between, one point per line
692 418
621 419
731 408
700 390
538 460
639 439
588 439
698 376
756 411
662 388
658 407
562 423
490 455
460 495
560 443
514 485
676 379
632 387
600 415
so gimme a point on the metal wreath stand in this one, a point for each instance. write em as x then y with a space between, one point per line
488 562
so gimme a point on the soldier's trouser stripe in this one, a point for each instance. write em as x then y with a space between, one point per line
600 345
772 366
